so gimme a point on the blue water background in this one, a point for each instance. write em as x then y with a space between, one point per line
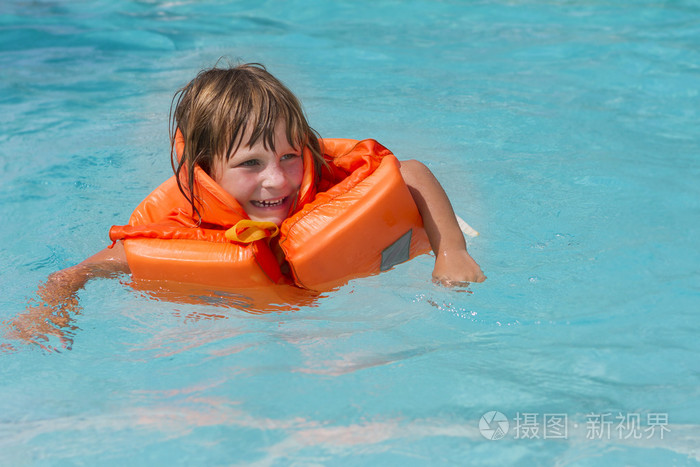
565 132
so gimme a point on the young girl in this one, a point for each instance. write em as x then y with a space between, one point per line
247 131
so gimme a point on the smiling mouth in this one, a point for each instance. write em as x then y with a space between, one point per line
269 204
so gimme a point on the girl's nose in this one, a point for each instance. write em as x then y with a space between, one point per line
273 176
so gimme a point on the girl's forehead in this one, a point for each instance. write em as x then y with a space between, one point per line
259 138
264 133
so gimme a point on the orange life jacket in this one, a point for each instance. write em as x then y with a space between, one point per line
355 218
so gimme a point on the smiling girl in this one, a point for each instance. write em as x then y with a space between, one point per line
244 135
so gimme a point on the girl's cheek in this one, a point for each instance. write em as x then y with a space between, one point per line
296 171
245 181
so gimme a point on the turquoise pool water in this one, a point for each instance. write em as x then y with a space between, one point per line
565 132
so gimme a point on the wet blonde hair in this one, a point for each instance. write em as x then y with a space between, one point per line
214 110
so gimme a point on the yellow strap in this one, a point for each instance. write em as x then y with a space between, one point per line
248 231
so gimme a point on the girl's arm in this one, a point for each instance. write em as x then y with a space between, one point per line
453 265
58 296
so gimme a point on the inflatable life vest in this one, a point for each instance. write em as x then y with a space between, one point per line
356 218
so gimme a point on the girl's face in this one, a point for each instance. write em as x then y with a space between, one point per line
264 182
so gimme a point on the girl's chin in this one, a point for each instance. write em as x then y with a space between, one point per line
275 215
277 220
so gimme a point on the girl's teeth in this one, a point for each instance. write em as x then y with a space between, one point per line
267 204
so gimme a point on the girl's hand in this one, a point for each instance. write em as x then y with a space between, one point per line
456 267
40 322
52 313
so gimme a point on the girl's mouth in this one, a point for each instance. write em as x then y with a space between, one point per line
269 203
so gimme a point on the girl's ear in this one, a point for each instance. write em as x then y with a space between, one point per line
179 144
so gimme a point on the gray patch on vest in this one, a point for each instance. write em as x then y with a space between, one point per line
397 252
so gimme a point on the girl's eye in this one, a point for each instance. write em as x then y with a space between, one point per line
290 156
249 163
